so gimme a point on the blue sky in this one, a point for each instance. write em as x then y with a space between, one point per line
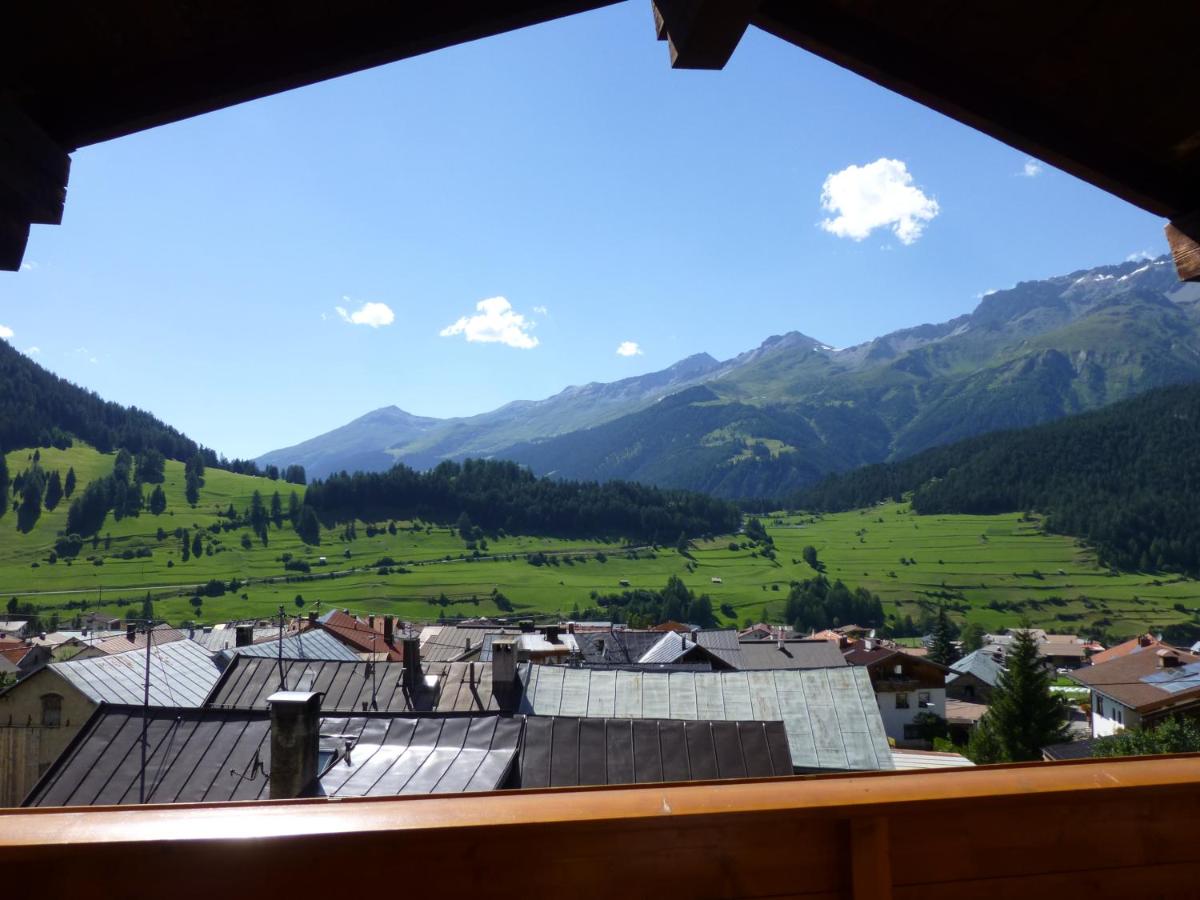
565 168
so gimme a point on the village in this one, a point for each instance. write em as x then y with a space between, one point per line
337 705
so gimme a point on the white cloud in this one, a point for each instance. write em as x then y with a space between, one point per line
878 195
1031 169
85 353
373 314
541 310
33 351
629 348
5 332
1139 256
28 266
495 323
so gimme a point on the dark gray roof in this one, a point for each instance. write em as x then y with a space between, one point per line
1070 750
615 648
346 686
979 663
215 755
314 644
831 716
455 642
567 751
225 638
181 674
794 654
724 645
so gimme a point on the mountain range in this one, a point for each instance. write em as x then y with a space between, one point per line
794 409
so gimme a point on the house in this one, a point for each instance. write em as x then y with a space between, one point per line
761 631
313 644
962 717
1133 645
14 629
796 653
40 715
132 639
23 658
1140 688
374 637
455 643
905 687
974 677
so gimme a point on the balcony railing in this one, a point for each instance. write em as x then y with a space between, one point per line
1095 828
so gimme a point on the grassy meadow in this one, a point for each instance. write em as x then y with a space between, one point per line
988 569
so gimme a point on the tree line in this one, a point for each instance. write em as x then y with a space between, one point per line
498 495
1125 478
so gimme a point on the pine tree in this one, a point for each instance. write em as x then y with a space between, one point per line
941 649
972 637
309 527
1025 715
294 509
277 510
158 500
54 491
69 485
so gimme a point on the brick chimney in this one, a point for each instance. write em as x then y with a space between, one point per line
244 636
295 743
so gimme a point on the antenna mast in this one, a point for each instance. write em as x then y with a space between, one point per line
149 625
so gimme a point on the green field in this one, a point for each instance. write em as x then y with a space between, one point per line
989 569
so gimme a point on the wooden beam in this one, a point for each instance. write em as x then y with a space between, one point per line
702 34
33 182
1183 236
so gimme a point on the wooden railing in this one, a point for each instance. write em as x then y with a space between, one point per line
1093 828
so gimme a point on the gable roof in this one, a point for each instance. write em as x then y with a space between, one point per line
313 644
978 663
1133 645
723 644
120 643
1137 681
212 755
800 653
359 635
566 751
347 686
830 715
452 643
181 674
615 648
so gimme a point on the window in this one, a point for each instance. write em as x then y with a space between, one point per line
902 701
923 700
51 710
969 690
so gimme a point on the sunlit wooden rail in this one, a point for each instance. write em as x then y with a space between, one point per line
1094 828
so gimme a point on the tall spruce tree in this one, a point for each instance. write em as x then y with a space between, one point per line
54 491
69 484
1025 715
941 649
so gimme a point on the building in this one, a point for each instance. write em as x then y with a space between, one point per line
1140 688
905 687
14 629
40 715
375 637
974 677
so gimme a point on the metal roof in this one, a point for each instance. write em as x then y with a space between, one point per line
723 644
312 644
225 637
181 674
453 643
215 755
927 759
615 648
979 663
790 654
831 716
536 643
121 643
347 686
568 751
670 647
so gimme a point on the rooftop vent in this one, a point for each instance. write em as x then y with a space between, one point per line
1168 659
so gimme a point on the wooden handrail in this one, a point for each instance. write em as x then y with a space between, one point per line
926 833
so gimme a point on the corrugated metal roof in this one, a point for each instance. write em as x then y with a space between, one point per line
793 654
927 759
831 716
313 644
570 751
218 755
346 686
181 674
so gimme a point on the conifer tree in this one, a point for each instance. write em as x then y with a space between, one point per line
1025 715
941 649
158 500
54 491
3 483
69 485
276 510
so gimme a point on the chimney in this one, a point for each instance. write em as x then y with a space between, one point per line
130 632
504 668
552 634
295 743
570 628
1167 659
371 622
869 643
412 662
1145 640
312 618
389 630
245 636
526 626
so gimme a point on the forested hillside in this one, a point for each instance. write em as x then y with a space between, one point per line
503 496
1125 478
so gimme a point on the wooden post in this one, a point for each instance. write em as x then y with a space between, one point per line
1183 236
870 859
